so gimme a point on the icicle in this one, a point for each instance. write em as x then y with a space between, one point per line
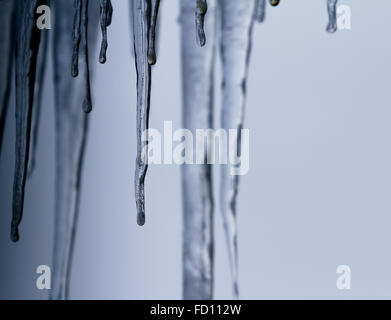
142 12
71 134
80 32
332 11
26 55
237 23
201 9
197 78
106 11
260 10
274 3
39 81
7 34
76 36
152 33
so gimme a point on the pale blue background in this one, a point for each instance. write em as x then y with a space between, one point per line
317 195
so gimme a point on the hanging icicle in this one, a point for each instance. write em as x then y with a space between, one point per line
332 11
38 92
201 10
143 14
7 35
197 91
106 12
236 34
26 56
152 33
71 126
260 10
80 34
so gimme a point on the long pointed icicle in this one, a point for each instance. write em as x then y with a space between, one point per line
201 9
80 36
197 79
39 82
71 135
26 56
106 12
332 11
142 13
237 24
7 30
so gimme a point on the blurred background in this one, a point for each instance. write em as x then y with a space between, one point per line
317 194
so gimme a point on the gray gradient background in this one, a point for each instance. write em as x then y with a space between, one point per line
317 194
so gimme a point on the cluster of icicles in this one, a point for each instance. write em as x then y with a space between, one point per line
73 93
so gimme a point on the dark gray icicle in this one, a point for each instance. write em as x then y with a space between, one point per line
260 10
152 32
71 126
80 35
141 15
106 12
197 113
237 24
332 11
26 55
39 82
201 9
7 36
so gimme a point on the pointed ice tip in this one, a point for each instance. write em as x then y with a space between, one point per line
102 59
201 40
14 234
75 71
236 291
87 106
141 219
151 59
331 28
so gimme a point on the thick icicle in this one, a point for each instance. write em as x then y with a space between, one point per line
332 11
71 134
80 33
26 56
36 113
7 30
141 11
236 33
152 33
260 10
197 79
106 12
201 9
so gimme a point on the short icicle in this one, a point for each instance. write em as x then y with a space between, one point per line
201 9
152 33
260 10
80 37
332 11
106 12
